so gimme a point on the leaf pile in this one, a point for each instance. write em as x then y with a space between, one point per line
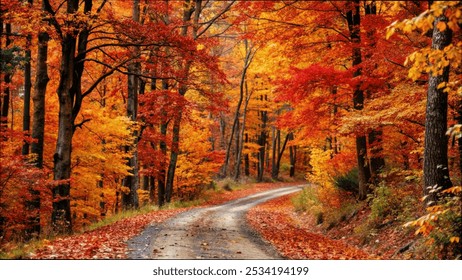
273 221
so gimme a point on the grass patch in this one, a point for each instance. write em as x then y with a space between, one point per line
120 216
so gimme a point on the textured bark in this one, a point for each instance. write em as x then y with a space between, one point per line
279 154
275 151
354 21
163 161
130 199
377 162
73 53
436 172
175 150
262 142
246 158
61 215
5 102
293 159
27 94
41 81
188 11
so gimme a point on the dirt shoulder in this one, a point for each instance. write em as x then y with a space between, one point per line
293 238
297 236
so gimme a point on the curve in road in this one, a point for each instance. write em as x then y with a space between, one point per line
218 232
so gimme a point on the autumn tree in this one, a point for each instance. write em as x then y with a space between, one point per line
441 20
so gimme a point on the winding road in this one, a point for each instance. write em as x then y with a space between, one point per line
218 232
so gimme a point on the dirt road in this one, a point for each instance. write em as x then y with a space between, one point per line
218 232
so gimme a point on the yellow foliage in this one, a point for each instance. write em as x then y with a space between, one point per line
428 60
322 174
196 162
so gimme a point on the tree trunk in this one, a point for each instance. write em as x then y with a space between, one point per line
32 205
130 199
262 142
353 19
27 93
5 104
377 161
293 157
41 81
247 158
61 215
436 172
240 142
152 188
276 145
175 150
70 102
163 161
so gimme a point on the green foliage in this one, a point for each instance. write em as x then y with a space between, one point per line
307 200
11 59
348 181
383 203
120 216
442 224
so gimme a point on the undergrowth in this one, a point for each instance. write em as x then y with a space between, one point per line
393 202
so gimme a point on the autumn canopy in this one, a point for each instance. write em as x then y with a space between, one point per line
112 105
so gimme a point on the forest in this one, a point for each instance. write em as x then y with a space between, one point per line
113 106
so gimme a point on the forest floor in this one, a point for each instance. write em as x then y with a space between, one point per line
294 235
297 236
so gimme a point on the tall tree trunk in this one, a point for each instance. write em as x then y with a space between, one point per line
292 156
175 150
262 142
247 158
61 215
70 102
41 81
276 147
5 102
353 19
436 172
27 94
188 11
161 180
247 61
130 199
38 122
32 205
240 142
152 188
377 162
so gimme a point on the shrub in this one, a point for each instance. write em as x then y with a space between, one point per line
307 200
383 203
442 224
348 182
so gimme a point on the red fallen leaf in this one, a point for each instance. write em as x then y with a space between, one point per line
273 221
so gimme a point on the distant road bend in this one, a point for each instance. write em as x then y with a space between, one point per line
218 232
